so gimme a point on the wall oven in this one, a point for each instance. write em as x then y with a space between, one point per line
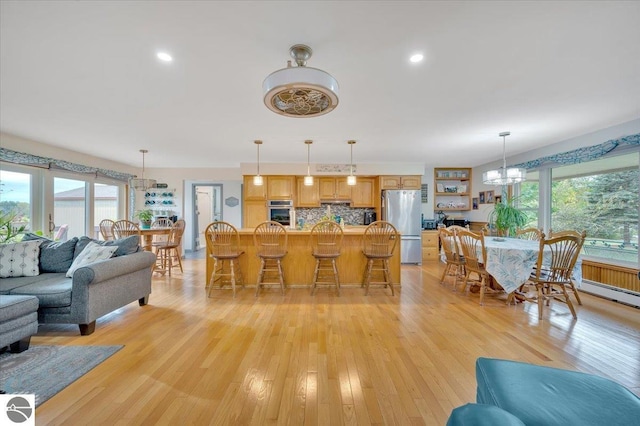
280 211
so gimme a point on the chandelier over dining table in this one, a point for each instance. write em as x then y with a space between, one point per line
504 175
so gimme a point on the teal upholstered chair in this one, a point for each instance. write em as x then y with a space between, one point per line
482 415
538 395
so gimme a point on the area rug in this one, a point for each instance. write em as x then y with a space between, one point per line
46 370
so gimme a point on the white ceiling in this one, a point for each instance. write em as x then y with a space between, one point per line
83 75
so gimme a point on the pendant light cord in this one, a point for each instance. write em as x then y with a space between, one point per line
351 161
308 142
504 155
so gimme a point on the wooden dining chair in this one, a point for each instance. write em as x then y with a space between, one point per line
475 258
223 243
454 260
552 279
270 241
532 234
161 223
583 236
379 242
125 228
106 229
326 243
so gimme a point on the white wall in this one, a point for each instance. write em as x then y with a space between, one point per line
361 169
19 144
231 178
182 181
590 139
233 215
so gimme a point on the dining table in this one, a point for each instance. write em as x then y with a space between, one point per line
148 234
510 261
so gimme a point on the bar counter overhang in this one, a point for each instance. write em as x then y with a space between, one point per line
298 265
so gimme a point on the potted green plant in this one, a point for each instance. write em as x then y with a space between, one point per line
145 216
8 228
506 217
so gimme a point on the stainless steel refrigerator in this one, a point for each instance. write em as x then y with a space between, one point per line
403 209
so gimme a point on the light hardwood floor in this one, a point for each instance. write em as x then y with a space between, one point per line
300 359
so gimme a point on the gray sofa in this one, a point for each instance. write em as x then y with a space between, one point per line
93 291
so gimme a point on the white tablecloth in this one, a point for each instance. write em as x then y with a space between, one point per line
511 261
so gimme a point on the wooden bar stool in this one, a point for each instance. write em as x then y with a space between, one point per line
270 240
378 244
170 250
222 245
326 242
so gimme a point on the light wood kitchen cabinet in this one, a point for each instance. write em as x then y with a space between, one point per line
430 246
280 187
252 192
307 196
254 213
400 182
334 188
362 194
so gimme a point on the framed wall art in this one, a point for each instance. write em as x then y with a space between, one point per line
488 196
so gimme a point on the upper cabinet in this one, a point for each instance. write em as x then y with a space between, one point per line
252 192
452 188
363 194
280 187
400 182
307 196
334 188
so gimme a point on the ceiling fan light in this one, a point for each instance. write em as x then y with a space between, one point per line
300 91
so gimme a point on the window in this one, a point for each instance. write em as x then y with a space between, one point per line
69 209
80 205
15 196
528 199
105 205
600 197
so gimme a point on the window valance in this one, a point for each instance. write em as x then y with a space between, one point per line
24 159
582 154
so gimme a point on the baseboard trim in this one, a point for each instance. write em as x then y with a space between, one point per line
608 292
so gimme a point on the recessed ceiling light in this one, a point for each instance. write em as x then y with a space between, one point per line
418 57
164 57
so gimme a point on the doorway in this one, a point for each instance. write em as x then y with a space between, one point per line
207 208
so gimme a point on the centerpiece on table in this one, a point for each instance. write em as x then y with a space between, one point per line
506 217
146 217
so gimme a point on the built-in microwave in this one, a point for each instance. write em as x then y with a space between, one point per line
280 211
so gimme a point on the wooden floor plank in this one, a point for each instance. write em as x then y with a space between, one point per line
323 359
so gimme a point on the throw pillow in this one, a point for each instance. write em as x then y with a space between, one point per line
54 256
92 253
19 259
127 245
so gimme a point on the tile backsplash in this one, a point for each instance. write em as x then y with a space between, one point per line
351 216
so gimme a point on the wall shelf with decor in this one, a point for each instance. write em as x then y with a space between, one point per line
452 189
159 199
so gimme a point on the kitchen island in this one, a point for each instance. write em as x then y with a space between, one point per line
298 265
